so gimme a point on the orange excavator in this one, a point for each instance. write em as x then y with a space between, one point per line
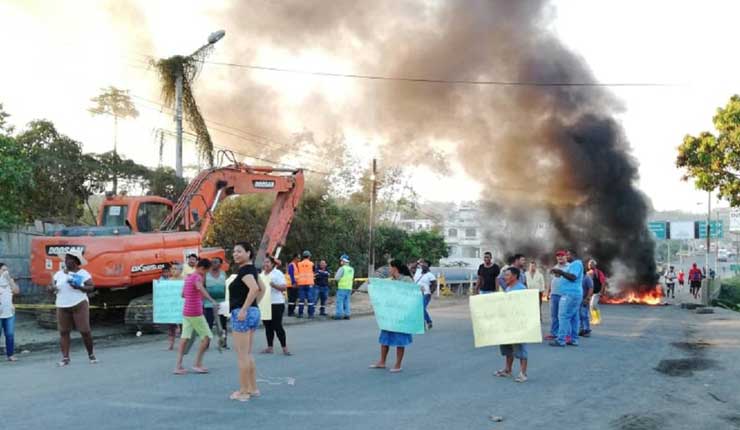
136 236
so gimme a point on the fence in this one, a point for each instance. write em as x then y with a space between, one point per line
15 251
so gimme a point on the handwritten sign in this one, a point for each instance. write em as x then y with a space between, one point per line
398 306
265 304
506 318
168 302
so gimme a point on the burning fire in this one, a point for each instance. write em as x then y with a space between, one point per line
652 297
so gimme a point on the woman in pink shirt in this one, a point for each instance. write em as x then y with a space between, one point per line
192 317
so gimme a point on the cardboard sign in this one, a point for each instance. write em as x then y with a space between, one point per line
398 306
168 302
506 318
265 304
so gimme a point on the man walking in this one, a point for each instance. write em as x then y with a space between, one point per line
292 285
322 284
695 277
487 274
571 297
345 277
306 290
599 280
670 282
427 281
553 292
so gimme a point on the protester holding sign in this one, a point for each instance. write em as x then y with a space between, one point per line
518 350
193 319
398 272
273 277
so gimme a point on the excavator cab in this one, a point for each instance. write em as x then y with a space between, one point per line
140 214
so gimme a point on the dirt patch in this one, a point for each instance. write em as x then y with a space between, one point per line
684 366
693 347
638 422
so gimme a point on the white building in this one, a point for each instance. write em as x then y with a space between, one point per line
463 233
413 225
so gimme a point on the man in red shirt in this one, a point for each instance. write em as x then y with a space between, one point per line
695 277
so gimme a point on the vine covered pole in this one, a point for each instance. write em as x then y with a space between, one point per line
178 124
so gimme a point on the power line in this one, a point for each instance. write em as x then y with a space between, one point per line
437 80
444 81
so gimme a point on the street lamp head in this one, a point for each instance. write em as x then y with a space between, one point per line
216 36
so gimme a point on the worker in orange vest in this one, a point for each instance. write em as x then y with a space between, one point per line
292 284
306 289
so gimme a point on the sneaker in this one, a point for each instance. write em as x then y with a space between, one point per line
64 362
92 358
580 333
555 343
346 318
549 337
429 326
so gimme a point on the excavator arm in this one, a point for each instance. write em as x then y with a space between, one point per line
196 206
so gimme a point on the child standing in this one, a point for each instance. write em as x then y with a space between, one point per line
516 350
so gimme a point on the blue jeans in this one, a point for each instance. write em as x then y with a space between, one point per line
7 327
307 293
427 299
586 317
323 296
343 306
554 305
569 317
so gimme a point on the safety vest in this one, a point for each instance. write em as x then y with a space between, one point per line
348 276
289 282
304 276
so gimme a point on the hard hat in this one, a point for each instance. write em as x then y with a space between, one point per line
344 258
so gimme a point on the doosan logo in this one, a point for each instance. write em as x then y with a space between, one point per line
147 267
64 249
263 184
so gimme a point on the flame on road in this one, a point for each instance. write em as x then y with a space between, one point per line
651 297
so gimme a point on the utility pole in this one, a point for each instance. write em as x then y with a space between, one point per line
373 191
705 296
178 124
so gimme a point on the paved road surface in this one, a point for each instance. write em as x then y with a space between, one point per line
610 382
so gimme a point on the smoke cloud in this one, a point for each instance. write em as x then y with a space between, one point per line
553 153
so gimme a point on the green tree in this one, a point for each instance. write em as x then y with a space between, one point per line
5 128
108 167
116 103
60 172
713 161
163 182
16 181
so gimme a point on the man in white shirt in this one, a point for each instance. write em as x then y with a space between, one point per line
71 286
426 280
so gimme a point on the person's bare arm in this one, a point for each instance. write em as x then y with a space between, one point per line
279 287
478 284
204 292
255 290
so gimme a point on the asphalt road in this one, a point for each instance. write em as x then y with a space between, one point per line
609 382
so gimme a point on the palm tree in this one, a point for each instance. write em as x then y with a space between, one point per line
116 103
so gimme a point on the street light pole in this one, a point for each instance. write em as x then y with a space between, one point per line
371 251
212 39
178 124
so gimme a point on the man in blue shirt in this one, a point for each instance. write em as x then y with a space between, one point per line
571 297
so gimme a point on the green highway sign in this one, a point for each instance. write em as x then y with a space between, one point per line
716 229
658 229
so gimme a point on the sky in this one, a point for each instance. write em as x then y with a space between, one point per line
62 57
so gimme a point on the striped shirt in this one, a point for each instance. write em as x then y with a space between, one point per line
193 300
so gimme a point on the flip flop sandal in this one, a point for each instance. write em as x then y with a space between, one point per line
375 366
502 374
396 370
200 370
255 394
237 395
520 378
180 371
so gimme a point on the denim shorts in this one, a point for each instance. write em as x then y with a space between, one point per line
518 350
251 322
